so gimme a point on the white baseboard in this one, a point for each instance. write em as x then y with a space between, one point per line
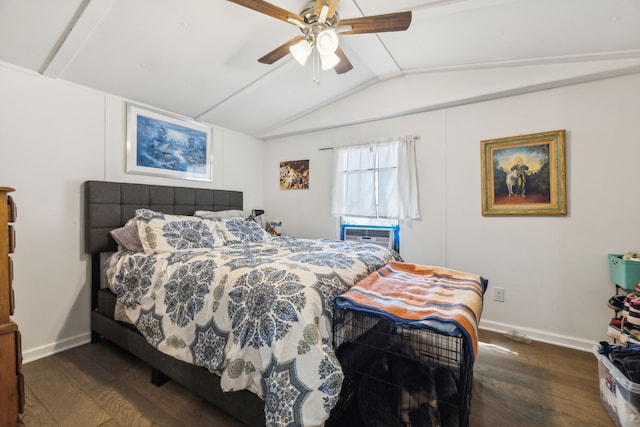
537 335
56 347
489 325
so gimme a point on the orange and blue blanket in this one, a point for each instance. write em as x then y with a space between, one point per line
436 298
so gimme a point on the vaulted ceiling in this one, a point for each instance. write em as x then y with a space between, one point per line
198 58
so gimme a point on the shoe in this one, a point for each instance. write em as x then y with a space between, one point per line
633 316
616 302
634 305
615 328
631 296
630 334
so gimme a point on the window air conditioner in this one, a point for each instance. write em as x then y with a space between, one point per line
386 236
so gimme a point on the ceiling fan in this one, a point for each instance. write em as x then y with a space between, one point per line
320 26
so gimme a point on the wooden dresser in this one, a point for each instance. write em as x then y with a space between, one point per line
11 380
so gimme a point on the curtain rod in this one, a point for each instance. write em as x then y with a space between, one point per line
416 137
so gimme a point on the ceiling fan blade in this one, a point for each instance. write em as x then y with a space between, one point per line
279 52
269 9
399 21
344 65
332 4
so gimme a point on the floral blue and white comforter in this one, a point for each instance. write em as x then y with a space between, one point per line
258 314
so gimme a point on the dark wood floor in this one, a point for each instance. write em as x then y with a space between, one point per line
515 384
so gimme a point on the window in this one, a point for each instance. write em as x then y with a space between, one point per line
368 178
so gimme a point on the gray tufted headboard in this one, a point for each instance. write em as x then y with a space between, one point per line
109 205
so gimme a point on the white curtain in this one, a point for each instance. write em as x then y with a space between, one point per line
388 179
408 179
376 180
354 181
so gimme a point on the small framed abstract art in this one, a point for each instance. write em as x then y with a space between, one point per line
524 175
167 145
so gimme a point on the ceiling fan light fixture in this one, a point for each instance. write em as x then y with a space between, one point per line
329 61
301 51
323 14
327 42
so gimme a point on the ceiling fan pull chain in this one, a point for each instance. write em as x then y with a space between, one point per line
316 67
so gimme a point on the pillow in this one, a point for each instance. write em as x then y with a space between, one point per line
230 213
160 233
238 230
127 238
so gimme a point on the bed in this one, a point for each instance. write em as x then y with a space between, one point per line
243 312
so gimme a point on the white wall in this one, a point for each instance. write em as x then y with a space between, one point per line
53 137
554 269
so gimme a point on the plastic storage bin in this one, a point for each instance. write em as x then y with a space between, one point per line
623 273
619 396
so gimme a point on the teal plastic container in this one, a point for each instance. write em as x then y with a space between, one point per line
624 273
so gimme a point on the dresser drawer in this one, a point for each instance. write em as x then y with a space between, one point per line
12 210
12 396
12 239
12 302
7 303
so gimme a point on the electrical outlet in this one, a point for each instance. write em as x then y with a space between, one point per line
498 294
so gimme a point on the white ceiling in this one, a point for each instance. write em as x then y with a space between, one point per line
198 58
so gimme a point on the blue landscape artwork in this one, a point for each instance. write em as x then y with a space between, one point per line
168 146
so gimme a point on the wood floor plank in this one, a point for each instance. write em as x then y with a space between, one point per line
35 413
534 384
56 389
125 404
514 404
111 423
177 402
130 410
101 396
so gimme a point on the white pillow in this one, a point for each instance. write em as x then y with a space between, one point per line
230 213
160 233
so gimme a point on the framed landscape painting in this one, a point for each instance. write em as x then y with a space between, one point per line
524 175
166 145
